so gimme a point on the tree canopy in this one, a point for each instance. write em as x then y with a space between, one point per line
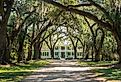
25 25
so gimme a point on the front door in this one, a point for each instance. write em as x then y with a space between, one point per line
62 54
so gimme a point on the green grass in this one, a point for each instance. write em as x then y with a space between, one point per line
16 73
110 73
93 64
107 73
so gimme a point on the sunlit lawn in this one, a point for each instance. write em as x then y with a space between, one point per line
16 73
109 73
95 64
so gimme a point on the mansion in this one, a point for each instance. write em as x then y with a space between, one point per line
60 52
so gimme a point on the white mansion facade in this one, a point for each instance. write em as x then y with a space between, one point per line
61 52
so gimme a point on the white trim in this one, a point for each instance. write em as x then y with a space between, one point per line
60 51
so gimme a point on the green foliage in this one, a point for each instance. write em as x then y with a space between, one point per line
110 73
109 45
69 2
16 73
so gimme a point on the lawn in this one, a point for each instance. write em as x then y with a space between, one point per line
16 73
110 74
95 64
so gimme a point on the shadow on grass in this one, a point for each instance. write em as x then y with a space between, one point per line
16 73
13 76
110 73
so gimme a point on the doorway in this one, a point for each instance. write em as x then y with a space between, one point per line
62 54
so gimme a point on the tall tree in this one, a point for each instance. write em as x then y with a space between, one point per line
5 10
112 17
97 46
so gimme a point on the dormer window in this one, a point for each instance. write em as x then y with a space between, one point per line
62 47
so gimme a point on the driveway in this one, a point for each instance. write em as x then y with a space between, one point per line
63 71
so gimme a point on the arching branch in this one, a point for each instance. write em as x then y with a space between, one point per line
80 12
102 9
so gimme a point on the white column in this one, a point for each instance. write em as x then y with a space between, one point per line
54 53
71 51
59 50
41 54
49 54
65 51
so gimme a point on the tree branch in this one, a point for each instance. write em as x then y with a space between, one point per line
102 9
80 12
80 5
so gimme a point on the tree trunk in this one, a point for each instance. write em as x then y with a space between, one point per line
83 52
117 36
87 55
4 46
31 44
52 53
92 53
87 52
21 56
102 58
29 57
21 39
4 16
2 41
36 51
75 53
97 56
4 51
40 52
119 50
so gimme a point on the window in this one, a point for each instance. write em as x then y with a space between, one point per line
43 53
47 53
56 53
62 47
68 53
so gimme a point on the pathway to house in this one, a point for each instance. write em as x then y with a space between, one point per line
63 71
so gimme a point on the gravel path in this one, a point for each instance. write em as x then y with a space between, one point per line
63 71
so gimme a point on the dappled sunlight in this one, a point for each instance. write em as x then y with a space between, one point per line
70 68
60 40
16 73
59 72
